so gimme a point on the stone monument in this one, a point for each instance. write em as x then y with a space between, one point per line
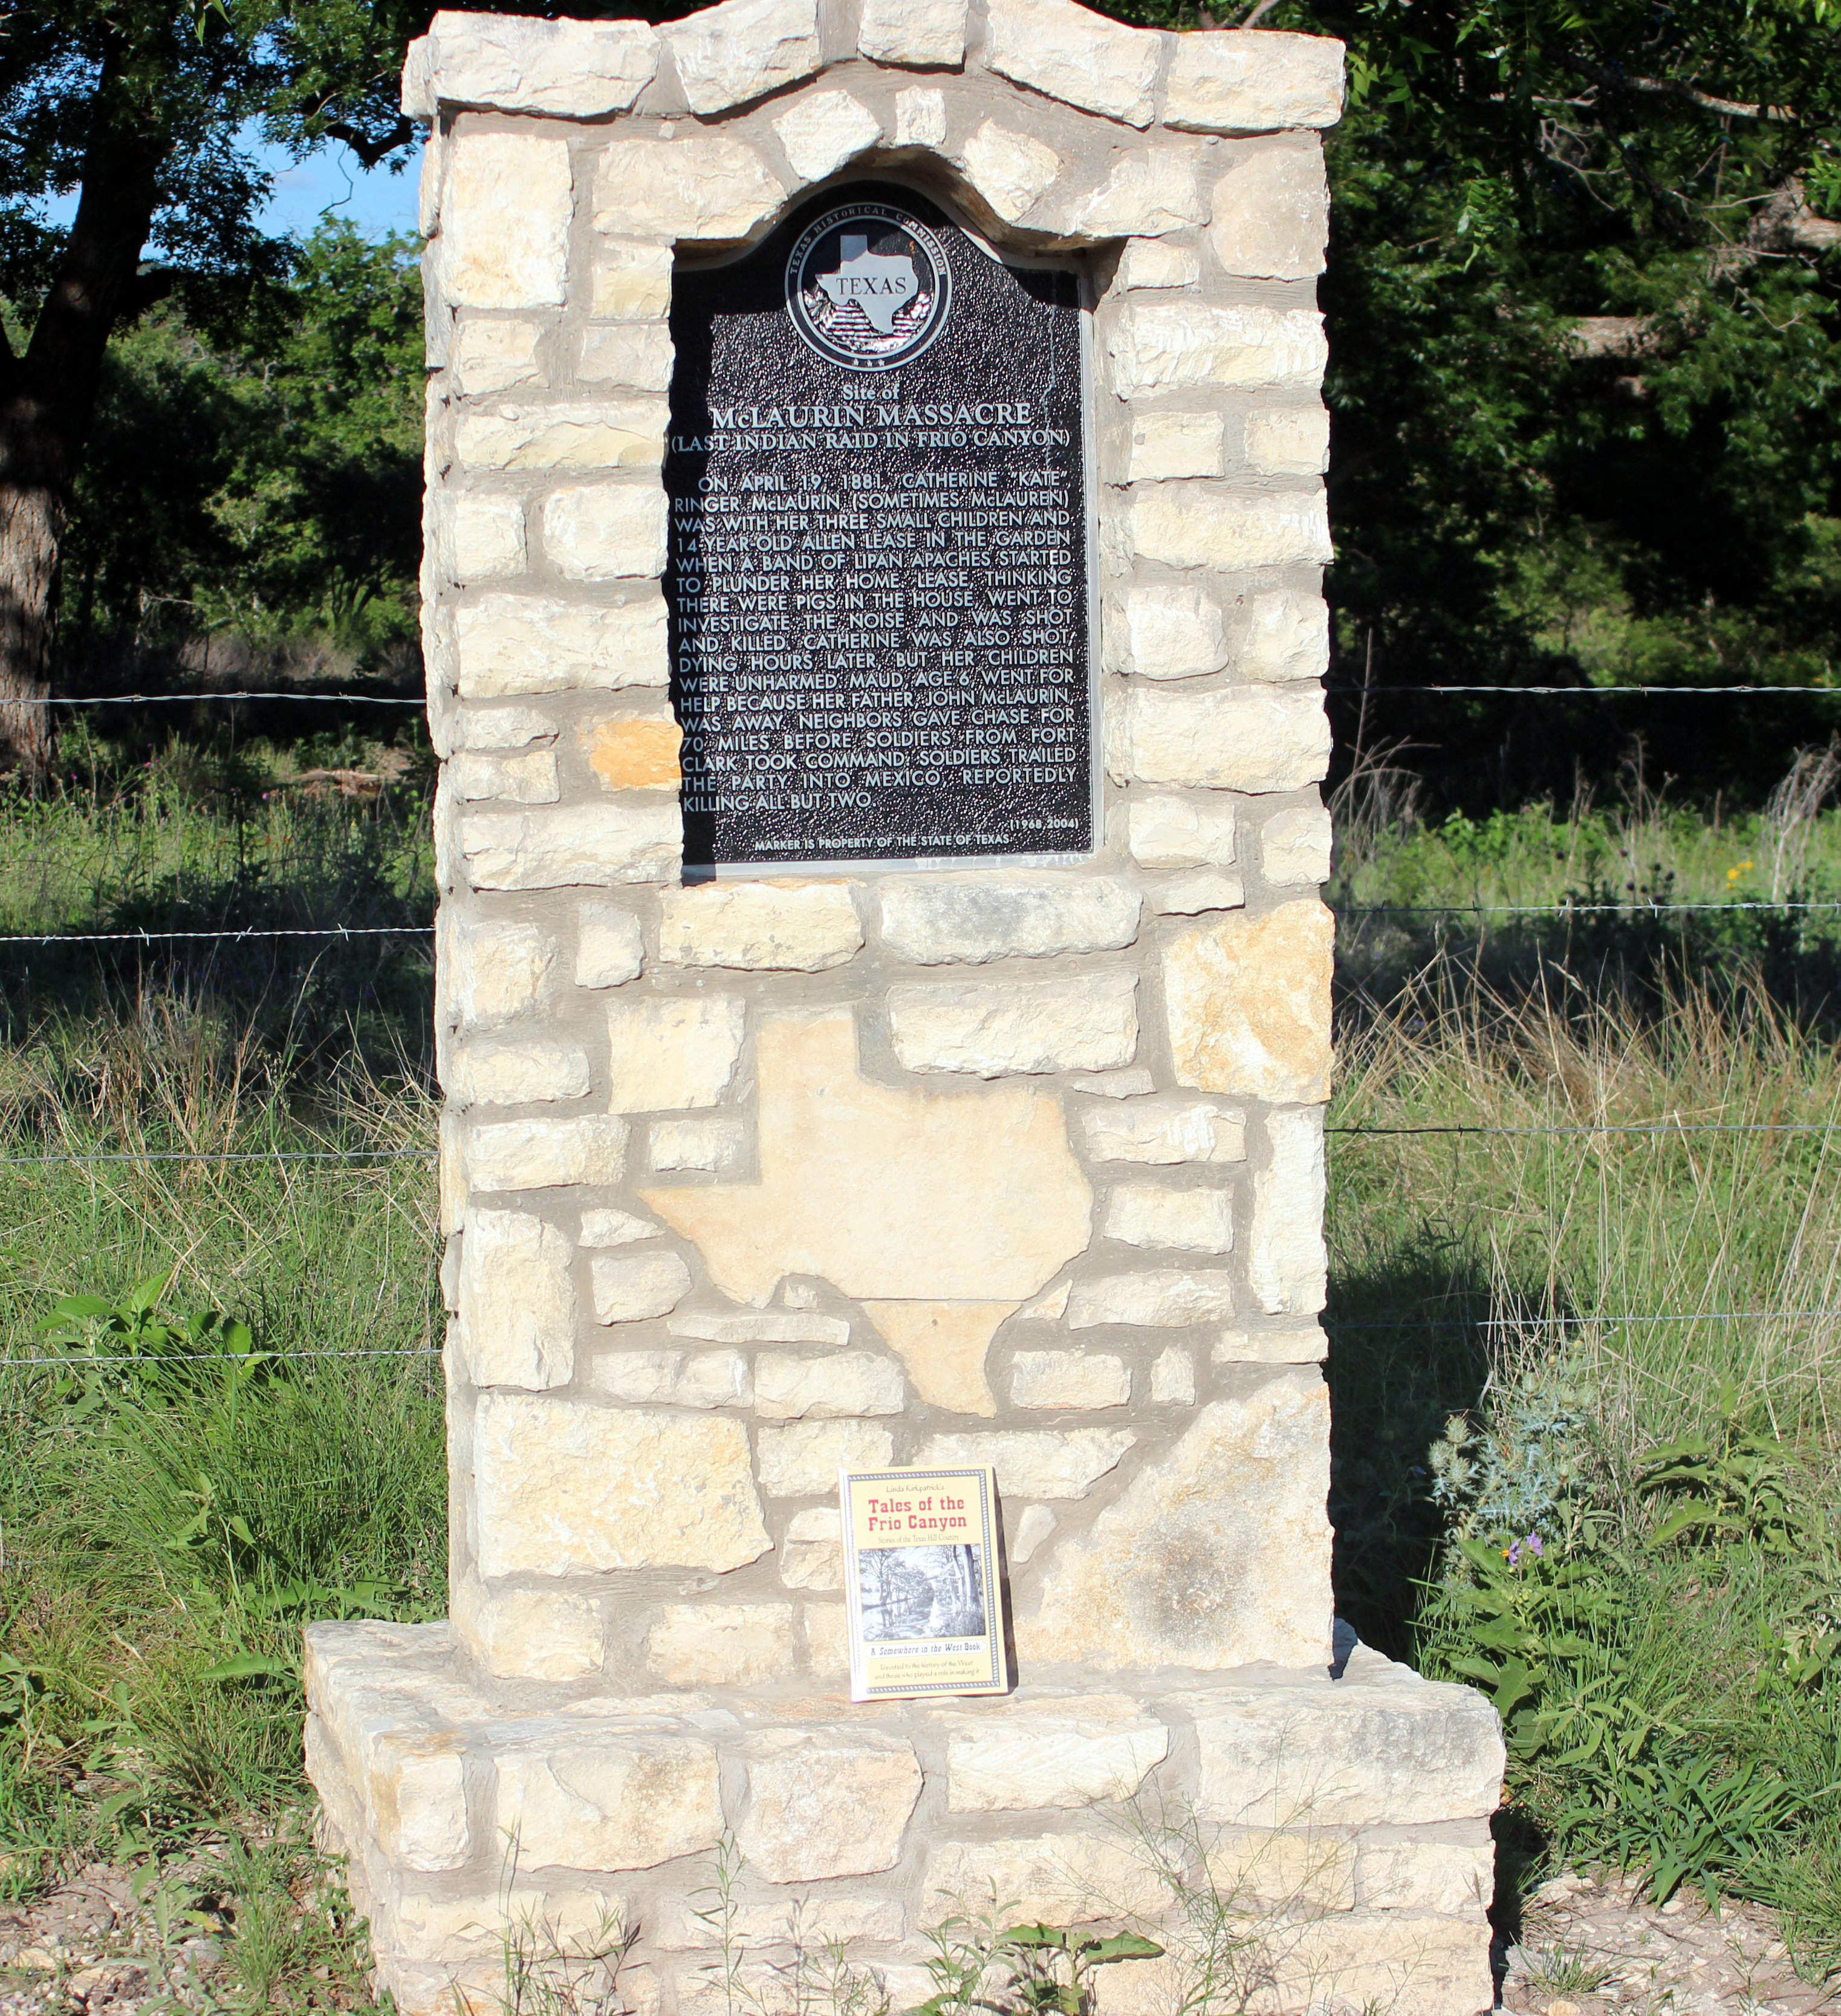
873 619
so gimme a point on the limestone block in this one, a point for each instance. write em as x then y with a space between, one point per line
543 1154
674 1050
697 1144
943 1345
1301 1869
624 433
790 1386
1082 59
1158 1298
1072 1752
1170 346
672 1378
1453 1869
920 116
1085 1024
1160 632
1164 1131
1152 1215
1271 212
418 1792
515 644
1280 635
919 34
820 1806
493 253
722 1645
630 1286
1308 1346
609 1799
492 356
1200 889
1215 1554
1175 445
485 536
606 531
562 1487
502 727
1011 171
1144 195
508 1074
1228 739
814 1919
1069 1379
1204 525
606 1226
517 1303
609 947
743 49
1295 846
822 132
635 354
580 70
761 1327
1036 1462
1173 1378
1247 1000
525 1634
527 779
1036 1523
1434 1966
1056 1879
632 280
1254 82
705 187
562 1926
635 752
760 926
494 968
1165 831
1289 440
1288 1267
802 1459
811 1556
1149 262
969 920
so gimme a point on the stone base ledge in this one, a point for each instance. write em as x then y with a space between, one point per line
1332 1833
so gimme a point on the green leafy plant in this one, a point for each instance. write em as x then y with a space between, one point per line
116 1352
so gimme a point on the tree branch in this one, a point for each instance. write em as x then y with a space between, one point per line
1608 79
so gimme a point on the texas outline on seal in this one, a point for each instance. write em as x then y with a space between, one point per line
860 300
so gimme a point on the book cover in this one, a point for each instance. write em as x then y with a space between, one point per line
921 1582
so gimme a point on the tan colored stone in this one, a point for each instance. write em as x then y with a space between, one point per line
1173 1378
821 1806
485 536
803 1459
517 1305
514 644
502 727
1164 1131
1170 346
543 1154
1191 1221
580 69
743 49
1166 445
1247 1000
943 1345
527 779
1380 1959
1089 1023
491 356
524 1634
1215 1554
632 280
760 1326
697 1144
493 968
1166 831
1073 1752
566 1488
1161 632
791 1386
672 1378
627 433
610 947
1308 1346
1287 1267
491 253
1069 1379
606 1226
566 1925
811 1556
813 1920
1288 441
1301 1871
1197 524
1034 1525
919 34
1228 739
1295 848
674 1050
1157 1299
822 132
705 187
920 116
630 1286
611 1800
1080 58
760 926
1036 1462
1280 635
1453 1870
635 752
1262 81
634 354
417 1792
1056 1879
1199 889
1149 262
606 531
722 1644
517 1074
889 1193
1145 195
1011 171
1271 212
936 920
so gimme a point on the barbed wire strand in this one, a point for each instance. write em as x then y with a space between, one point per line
177 698
1558 909
234 1155
77 1360
1583 692
1560 1322
229 934
1643 1127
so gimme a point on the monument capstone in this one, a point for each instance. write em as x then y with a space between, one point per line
873 617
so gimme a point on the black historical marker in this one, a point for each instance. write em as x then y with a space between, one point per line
878 580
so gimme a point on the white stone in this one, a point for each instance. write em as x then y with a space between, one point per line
485 536
1420 1873
624 433
1287 1264
502 727
1050 1306
517 1303
1200 889
630 1286
706 187
674 1050
508 1074
1166 831
1055 1879
822 132
1294 848
1164 1131
761 1327
528 778
494 968
721 1645
1086 1024
1166 633
611 1800
1190 1221
1173 1378
1254 81
814 1921
1170 346
606 531
1271 212
516 644
1073 1752
1232 739
672 1378
1011 171
493 253
803 1459
565 1488
1079 57
760 926
607 1226
1175 445
1288 441
811 1556
1308 1346
1149 262
791 1386
610 947
1070 1379
489 356
635 354
632 280
1281 635
1036 1523
743 49
1145 195
1036 1462
1246 1002
918 34
543 1154
972 919
1158 1298
720 1145
824 1805
1198 524
580 70
920 116
528 1634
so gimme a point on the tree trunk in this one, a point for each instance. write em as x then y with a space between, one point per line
32 529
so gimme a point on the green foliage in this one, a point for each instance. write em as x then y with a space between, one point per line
1020 1970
